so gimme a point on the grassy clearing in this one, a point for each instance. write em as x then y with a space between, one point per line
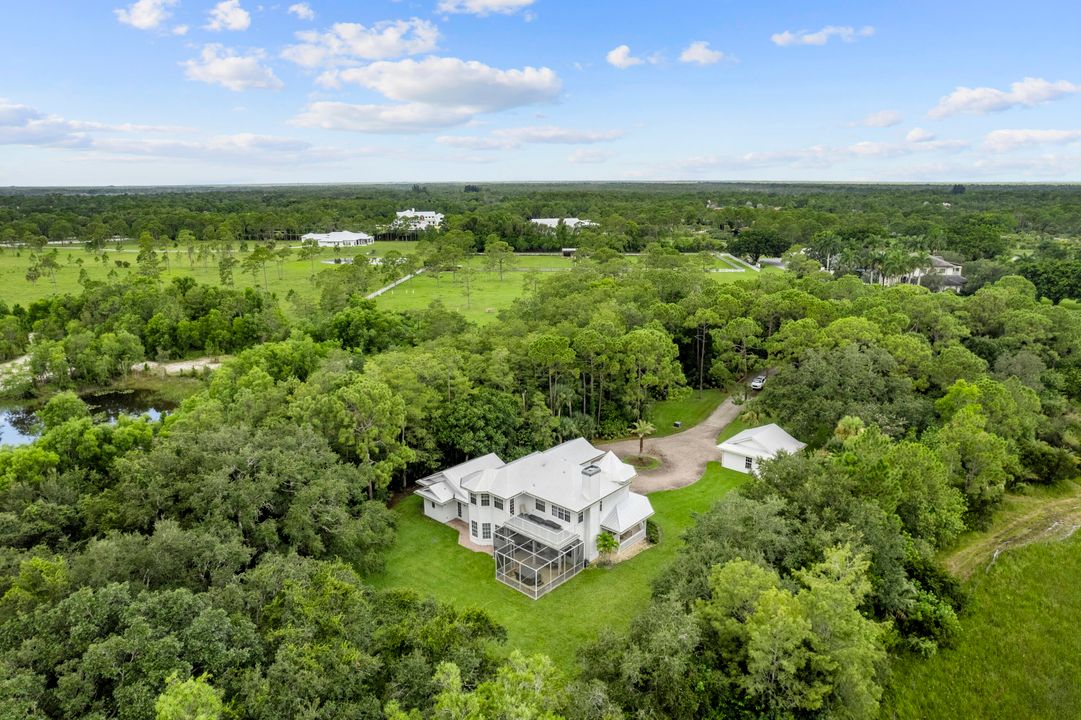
428 559
1041 513
295 274
1020 652
690 411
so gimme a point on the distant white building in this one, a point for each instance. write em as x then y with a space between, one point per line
541 513
570 223
418 219
939 274
744 451
340 238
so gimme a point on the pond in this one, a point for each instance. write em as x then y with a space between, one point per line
19 423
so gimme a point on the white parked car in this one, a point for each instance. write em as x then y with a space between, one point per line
758 383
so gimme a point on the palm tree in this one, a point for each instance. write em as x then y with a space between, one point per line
641 428
607 546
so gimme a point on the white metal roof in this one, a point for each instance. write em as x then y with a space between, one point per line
570 223
627 513
763 441
447 484
338 236
555 475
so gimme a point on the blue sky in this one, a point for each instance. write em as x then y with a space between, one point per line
227 91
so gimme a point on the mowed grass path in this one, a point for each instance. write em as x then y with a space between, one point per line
1019 655
428 559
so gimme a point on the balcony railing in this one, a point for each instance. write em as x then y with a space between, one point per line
553 538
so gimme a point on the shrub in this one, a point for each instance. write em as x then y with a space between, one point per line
653 532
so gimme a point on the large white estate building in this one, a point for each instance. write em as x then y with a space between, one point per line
418 219
572 223
340 238
541 513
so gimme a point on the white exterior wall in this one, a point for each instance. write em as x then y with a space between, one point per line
481 514
735 461
443 513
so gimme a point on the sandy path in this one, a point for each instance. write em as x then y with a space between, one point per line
683 455
180 366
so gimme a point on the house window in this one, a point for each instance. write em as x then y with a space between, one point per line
472 499
459 508
431 504
473 528
498 502
512 506
486 530
540 505
485 499
748 463
561 513
581 517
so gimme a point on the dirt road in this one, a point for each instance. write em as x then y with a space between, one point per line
683 455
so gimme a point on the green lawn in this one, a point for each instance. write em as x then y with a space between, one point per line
488 294
1019 655
690 411
295 274
427 558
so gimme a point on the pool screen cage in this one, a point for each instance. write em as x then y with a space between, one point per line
534 567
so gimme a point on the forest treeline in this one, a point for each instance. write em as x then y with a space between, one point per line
217 559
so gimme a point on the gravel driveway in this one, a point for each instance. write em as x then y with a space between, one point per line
684 455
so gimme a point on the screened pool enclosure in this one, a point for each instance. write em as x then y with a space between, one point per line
535 555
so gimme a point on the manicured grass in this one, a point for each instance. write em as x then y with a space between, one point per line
295 274
690 411
488 294
1020 652
428 559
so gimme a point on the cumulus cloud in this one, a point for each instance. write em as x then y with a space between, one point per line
180 30
451 82
302 10
621 57
389 119
880 119
846 33
218 65
983 100
483 7
1006 140
145 14
589 156
510 138
699 52
345 43
228 15
819 156
919 135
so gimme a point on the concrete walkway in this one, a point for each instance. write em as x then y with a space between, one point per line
465 541
683 455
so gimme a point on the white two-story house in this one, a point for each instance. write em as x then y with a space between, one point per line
541 513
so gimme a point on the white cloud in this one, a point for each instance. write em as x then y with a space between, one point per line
180 30
483 7
510 138
846 33
346 43
25 125
302 10
880 119
389 119
700 52
450 82
588 156
1006 140
228 15
621 57
983 100
223 66
919 135
145 14
820 156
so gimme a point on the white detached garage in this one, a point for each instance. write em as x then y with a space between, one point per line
744 451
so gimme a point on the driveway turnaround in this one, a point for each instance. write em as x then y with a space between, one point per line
683 455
